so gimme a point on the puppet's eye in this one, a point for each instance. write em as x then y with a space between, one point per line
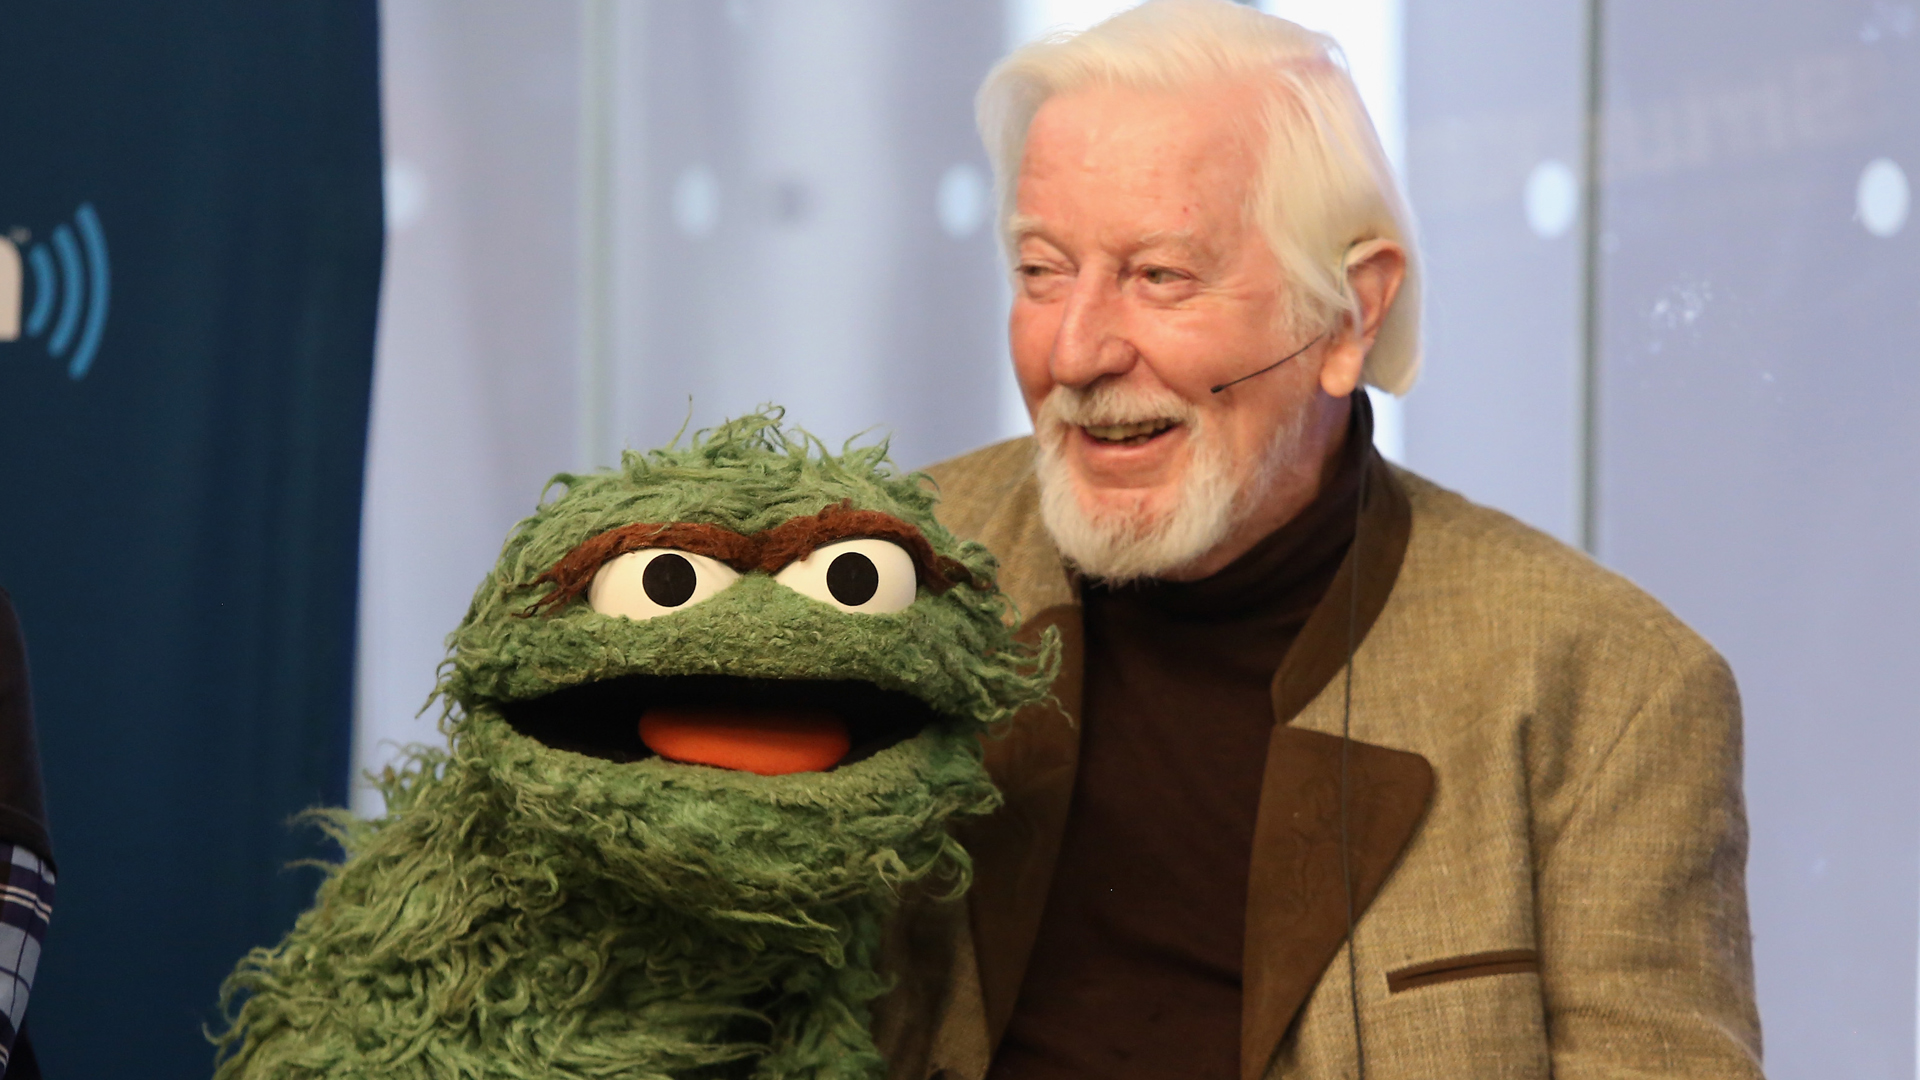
873 577
657 581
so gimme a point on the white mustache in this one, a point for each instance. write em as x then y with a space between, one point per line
1105 404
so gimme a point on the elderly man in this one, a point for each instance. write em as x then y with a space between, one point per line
1347 776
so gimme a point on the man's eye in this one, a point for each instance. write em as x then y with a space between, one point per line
657 581
1040 281
1160 275
872 577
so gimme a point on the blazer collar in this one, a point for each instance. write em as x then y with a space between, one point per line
1298 887
1297 897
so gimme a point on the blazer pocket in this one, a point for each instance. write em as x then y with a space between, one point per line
1471 966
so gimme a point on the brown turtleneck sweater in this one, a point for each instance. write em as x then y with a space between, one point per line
1136 971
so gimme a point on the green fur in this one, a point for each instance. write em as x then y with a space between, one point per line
527 912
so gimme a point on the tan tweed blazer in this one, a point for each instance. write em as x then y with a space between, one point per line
1547 831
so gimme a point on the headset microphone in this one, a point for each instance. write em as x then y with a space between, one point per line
1356 253
1271 366
1346 742
1346 735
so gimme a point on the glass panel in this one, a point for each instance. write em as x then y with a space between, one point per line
1757 451
805 217
1496 95
473 403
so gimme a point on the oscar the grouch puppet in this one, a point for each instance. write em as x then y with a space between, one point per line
710 714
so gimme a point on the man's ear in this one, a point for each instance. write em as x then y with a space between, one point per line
1375 269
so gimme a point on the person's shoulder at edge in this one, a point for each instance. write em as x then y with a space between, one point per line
974 485
12 647
1540 586
1457 544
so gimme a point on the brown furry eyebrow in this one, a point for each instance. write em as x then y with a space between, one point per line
768 552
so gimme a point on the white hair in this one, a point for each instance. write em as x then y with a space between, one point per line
1325 196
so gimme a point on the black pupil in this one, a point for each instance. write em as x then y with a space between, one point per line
669 580
852 578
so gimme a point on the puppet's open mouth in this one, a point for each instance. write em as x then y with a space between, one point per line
836 722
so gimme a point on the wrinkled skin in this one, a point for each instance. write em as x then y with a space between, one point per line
529 910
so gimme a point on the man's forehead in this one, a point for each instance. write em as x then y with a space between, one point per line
1172 154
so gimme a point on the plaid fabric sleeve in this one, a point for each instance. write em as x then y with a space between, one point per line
26 902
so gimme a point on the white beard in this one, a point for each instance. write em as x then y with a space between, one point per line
1149 534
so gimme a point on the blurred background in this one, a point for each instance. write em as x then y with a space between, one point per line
1673 299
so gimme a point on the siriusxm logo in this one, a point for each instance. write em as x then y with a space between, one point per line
67 305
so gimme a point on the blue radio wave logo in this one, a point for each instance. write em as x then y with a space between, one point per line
72 283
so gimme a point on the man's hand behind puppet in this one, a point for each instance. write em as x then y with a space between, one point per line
710 714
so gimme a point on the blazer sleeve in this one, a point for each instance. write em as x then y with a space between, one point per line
1646 958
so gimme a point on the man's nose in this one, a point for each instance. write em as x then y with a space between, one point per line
1091 342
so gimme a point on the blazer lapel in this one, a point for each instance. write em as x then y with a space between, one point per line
1297 899
1014 850
1297 889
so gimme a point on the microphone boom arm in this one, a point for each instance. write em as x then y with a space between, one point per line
1271 366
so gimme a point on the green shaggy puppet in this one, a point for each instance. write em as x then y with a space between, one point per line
710 713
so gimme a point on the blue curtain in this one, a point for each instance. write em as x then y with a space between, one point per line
190 244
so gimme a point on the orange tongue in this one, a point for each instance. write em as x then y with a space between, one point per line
751 740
